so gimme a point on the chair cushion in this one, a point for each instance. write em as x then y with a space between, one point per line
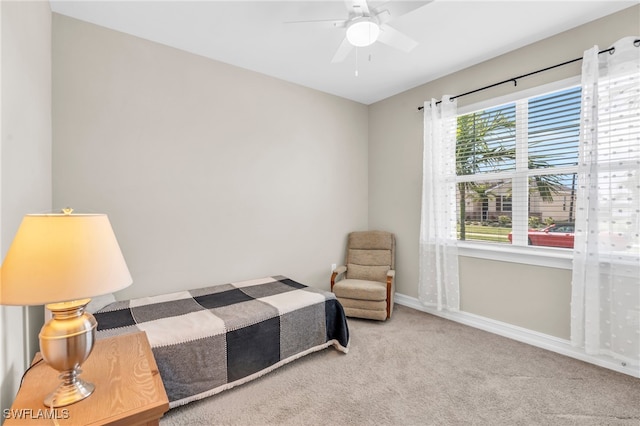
380 315
360 289
371 240
370 257
376 305
368 273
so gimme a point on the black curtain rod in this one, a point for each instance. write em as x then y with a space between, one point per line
636 43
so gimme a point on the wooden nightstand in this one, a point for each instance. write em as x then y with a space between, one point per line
129 390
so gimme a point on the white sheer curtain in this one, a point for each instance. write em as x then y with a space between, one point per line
605 303
438 277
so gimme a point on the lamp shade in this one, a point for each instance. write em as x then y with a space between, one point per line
62 257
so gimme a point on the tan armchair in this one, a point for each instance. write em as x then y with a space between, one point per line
368 284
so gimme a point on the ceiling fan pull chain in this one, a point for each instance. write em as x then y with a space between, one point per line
356 61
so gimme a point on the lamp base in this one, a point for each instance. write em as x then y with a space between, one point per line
72 389
65 343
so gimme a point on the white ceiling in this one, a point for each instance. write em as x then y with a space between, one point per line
452 35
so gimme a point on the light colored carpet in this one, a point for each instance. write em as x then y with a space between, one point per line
417 369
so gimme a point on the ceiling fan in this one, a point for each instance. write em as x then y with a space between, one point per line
365 25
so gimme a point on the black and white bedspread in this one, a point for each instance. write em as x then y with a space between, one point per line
214 338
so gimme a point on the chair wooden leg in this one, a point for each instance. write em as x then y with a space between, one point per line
389 297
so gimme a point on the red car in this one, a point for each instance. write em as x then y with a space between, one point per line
556 235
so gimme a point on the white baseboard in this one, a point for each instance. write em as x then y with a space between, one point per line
521 334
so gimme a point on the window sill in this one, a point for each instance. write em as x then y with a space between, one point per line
539 256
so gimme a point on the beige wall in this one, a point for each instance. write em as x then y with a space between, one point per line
545 296
209 173
25 161
395 176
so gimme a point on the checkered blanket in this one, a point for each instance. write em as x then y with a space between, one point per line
212 339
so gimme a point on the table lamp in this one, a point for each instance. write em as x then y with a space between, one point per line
61 260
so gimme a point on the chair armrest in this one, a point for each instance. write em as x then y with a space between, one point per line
339 270
391 273
390 276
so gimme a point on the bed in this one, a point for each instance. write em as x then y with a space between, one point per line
212 339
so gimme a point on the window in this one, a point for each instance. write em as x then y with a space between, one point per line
503 203
516 171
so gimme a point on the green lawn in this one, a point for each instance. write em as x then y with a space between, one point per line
486 233
493 230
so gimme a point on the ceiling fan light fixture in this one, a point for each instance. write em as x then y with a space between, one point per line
363 32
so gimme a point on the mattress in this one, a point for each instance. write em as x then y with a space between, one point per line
211 339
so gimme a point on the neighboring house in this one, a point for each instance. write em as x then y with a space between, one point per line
496 201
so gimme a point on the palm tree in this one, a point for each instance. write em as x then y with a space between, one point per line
481 195
475 151
480 147
544 185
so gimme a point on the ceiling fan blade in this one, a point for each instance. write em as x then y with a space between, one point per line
394 38
394 9
337 23
342 52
